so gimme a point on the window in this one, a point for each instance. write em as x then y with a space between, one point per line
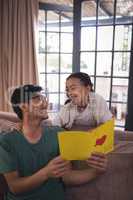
105 51
102 48
55 52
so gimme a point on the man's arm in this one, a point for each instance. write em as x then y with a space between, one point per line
98 164
55 168
9 116
18 184
78 177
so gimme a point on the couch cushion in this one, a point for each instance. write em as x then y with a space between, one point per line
6 125
123 135
115 184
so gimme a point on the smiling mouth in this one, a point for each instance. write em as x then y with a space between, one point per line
44 112
74 100
73 97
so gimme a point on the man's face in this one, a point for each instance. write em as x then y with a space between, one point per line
38 106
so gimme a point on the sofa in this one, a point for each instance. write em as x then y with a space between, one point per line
115 184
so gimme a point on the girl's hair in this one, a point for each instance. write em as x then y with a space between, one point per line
83 77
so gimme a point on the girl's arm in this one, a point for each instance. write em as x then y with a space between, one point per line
9 116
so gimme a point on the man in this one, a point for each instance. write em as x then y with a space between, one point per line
30 160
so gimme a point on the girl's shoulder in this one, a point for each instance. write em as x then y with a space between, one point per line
96 97
68 106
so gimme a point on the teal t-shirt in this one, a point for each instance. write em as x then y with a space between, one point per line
16 153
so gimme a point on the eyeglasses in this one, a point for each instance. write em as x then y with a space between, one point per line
39 99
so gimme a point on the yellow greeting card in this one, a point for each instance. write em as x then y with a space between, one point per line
78 145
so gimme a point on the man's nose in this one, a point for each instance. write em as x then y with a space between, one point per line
44 102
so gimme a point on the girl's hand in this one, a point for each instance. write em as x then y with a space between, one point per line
98 161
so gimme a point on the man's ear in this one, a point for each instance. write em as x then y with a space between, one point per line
24 107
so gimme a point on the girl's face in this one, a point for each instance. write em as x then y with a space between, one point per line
77 92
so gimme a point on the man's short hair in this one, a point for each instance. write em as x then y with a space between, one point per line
23 94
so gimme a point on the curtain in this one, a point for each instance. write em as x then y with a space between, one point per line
18 46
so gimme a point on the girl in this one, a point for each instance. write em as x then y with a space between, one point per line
84 108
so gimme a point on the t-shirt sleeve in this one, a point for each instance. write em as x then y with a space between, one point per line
65 117
56 121
60 118
7 160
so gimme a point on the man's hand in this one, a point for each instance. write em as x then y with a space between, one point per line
57 167
54 169
98 161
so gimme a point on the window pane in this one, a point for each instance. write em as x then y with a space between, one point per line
63 78
66 62
119 111
52 21
88 35
53 102
66 42
53 82
105 38
105 12
109 5
52 63
66 28
52 42
104 61
120 90
41 20
87 63
103 87
124 8
92 80
42 80
63 98
123 38
41 62
41 42
88 12
121 64
67 23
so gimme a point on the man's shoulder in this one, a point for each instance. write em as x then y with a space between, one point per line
8 136
7 140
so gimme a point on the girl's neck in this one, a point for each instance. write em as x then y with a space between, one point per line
81 108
